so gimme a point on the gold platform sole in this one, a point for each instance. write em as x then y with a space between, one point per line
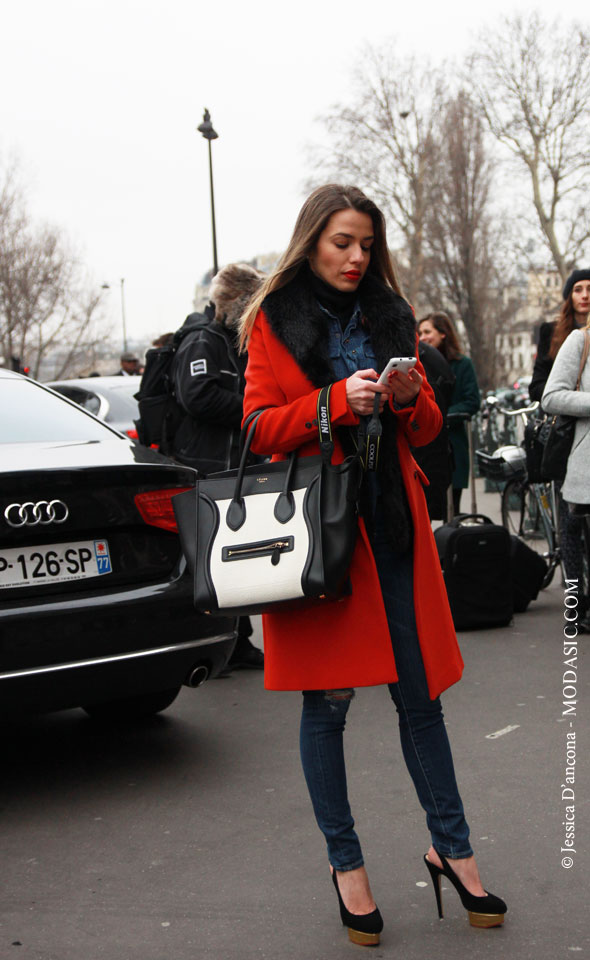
364 939
485 920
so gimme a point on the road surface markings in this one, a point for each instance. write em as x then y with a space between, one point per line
500 733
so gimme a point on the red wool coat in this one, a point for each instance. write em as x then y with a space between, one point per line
346 643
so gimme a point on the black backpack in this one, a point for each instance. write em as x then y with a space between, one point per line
160 414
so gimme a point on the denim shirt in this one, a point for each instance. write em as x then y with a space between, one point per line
352 349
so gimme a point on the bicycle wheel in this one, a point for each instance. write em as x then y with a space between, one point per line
520 511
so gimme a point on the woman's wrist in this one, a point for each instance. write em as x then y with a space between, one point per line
403 406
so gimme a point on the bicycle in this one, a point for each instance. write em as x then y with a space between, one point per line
495 424
529 510
485 428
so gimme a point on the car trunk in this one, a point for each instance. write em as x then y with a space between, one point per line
103 544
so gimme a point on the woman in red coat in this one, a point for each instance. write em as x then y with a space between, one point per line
332 313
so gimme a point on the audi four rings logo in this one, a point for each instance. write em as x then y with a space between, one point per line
30 514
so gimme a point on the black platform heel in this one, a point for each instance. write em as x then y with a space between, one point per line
483 912
363 928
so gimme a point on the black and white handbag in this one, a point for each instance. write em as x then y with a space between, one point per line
272 533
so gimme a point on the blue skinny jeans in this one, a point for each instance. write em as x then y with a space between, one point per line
424 740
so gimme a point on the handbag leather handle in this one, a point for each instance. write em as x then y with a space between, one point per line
246 425
323 419
285 505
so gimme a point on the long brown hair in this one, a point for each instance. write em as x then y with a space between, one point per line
565 323
312 219
450 345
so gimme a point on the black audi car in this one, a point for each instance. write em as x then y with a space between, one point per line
95 600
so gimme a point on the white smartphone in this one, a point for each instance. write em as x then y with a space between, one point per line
405 364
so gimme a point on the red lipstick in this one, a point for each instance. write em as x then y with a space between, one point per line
353 275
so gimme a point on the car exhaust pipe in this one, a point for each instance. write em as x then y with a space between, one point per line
197 676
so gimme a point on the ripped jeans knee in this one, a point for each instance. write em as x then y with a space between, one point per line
334 695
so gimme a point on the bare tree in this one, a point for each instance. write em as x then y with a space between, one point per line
45 302
531 80
462 265
385 143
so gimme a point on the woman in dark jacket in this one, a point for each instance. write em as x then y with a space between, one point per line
572 316
438 330
436 458
332 313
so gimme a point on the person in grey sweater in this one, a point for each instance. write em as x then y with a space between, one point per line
560 396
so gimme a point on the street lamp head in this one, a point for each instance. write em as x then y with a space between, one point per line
206 127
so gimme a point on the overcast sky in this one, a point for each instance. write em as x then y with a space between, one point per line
101 100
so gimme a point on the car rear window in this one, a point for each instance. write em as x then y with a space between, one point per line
117 402
31 414
122 405
82 397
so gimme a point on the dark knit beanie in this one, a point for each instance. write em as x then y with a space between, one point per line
574 278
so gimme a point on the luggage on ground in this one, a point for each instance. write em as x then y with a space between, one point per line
529 570
475 557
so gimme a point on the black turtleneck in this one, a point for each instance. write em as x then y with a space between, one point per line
339 302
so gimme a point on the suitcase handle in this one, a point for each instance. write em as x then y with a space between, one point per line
474 517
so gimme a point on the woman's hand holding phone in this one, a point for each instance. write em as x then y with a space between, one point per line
404 380
405 364
361 388
405 386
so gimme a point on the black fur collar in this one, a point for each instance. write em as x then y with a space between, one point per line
298 322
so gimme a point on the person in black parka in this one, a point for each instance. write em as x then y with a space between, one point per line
208 374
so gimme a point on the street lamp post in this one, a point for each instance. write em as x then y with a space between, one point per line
107 286
123 314
206 129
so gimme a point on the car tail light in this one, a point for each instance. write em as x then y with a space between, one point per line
132 434
156 508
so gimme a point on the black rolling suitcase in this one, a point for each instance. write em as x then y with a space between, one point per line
529 570
475 558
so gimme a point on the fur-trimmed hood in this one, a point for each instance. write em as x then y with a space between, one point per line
302 326
231 290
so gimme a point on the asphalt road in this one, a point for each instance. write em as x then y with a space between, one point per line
191 836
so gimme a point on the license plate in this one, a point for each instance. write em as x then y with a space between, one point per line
54 563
